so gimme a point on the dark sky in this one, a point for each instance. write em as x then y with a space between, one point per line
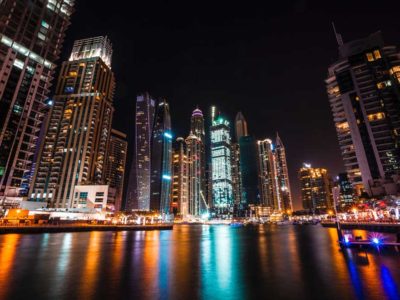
267 61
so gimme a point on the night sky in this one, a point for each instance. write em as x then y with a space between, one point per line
267 61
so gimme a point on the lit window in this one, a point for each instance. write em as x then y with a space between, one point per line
377 54
376 116
370 57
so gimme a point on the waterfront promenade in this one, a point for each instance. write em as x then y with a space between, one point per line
79 228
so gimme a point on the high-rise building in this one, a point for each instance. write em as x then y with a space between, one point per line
197 129
78 128
364 94
268 178
31 37
346 198
282 175
236 175
194 150
115 168
138 190
316 188
161 160
248 171
240 126
222 191
180 179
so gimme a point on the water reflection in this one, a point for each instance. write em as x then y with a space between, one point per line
199 262
8 250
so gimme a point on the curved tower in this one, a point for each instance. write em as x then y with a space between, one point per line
161 158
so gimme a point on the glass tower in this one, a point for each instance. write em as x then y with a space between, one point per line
222 191
161 160
138 190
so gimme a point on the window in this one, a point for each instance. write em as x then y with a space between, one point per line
376 116
99 194
377 54
370 57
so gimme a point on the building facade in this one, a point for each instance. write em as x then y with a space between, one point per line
236 174
364 94
316 188
222 190
240 126
161 160
180 179
31 37
249 172
115 168
78 128
268 178
138 190
194 149
282 174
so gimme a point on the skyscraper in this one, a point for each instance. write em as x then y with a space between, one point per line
346 191
268 175
31 36
138 190
236 175
364 94
78 127
194 149
282 175
197 129
316 188
248 171
180 179
222 191
240 126
161 159
115 168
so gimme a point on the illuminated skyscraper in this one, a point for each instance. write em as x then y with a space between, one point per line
236 175
364 94
316 188
180 179
138 190
282 175
268 175
240 126
161 160
222 191
78 127
115 168
194 150
197 158
31 37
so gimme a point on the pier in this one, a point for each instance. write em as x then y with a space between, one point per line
369 226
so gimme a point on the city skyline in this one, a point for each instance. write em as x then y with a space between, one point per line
201 66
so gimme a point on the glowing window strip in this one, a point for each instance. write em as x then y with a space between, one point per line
24 51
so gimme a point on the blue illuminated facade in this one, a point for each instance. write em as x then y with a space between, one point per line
222 190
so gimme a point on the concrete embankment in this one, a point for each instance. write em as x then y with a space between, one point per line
80 228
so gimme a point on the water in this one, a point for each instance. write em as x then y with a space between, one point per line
194 262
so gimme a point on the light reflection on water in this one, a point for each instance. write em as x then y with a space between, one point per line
194 262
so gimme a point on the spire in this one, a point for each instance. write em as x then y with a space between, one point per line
338 36
278 141
240 126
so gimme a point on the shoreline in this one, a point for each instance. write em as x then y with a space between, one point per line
80 228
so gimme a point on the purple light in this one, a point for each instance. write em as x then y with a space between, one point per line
197 113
